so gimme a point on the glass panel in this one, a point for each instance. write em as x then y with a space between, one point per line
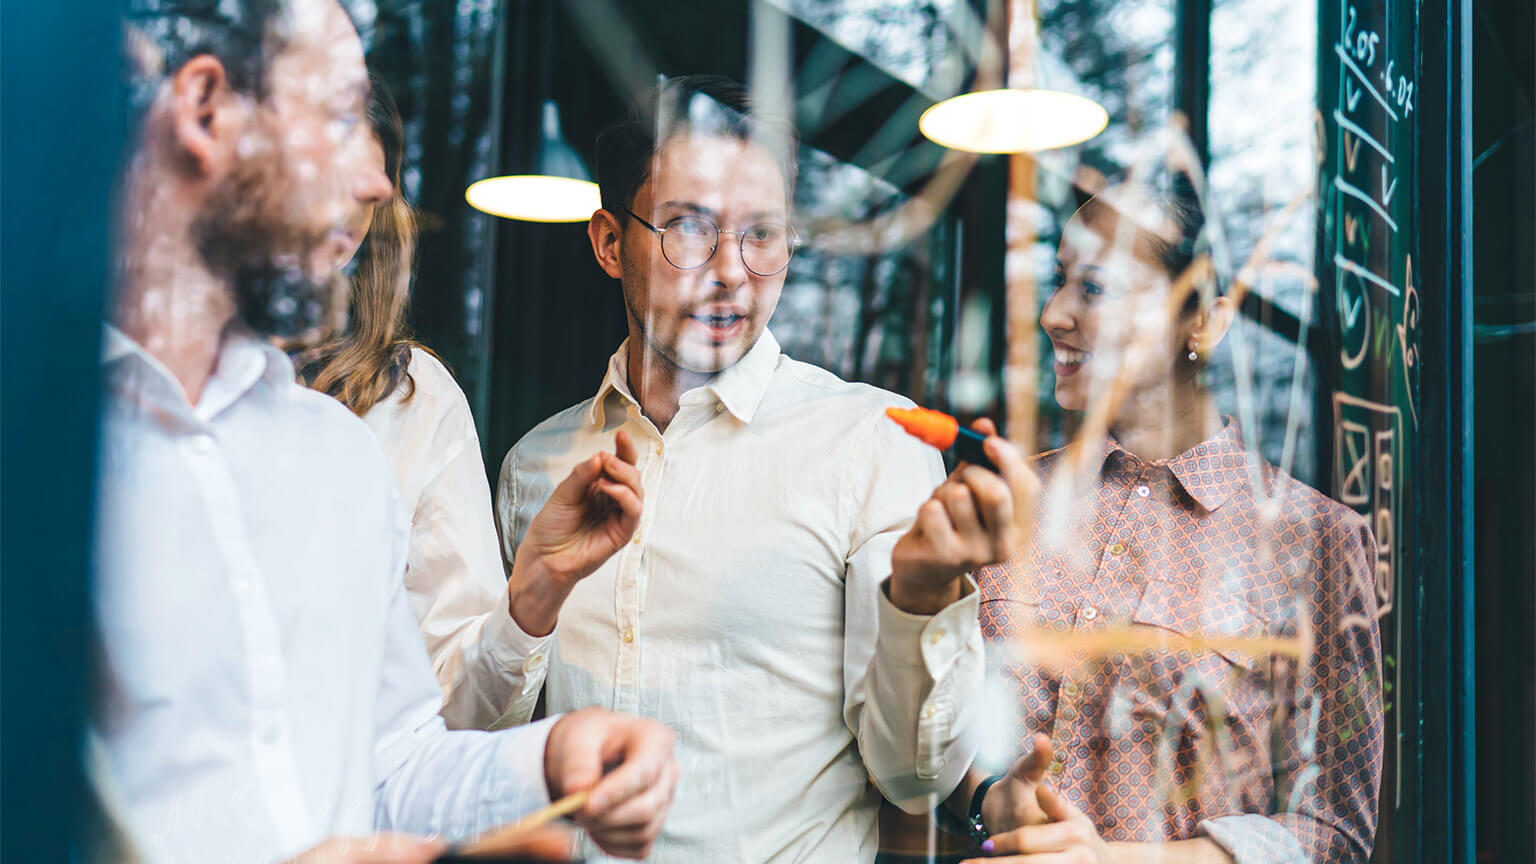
592 466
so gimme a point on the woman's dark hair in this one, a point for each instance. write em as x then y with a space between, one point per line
1180 205
1178 238
366 362
696 104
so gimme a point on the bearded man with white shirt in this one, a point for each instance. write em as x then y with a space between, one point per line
778 606
265 687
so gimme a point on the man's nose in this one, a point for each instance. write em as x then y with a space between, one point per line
727 262
373 187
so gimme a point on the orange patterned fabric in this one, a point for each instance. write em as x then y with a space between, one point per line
1273 752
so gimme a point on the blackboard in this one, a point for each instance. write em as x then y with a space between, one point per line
1368 230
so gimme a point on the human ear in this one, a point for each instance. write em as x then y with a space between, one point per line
198 94
607 241
1212 323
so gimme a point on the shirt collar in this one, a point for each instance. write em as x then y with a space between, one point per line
244 360
740 388
616 383
1211 471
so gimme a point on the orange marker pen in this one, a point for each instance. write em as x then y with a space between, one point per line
940 430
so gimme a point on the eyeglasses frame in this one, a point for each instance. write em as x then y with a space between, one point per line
741 247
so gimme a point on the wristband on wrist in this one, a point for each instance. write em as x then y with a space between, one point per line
974 826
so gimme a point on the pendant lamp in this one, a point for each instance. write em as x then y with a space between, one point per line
1025 117
1013 121
554 187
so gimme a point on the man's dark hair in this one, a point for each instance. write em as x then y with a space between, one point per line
162 35
692 104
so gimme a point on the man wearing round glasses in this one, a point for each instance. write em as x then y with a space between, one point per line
794 601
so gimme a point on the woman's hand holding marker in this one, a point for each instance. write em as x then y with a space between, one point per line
974 518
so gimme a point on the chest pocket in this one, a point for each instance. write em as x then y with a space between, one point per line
1208 680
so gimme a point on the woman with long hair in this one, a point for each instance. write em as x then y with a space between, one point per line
1189 642
408 397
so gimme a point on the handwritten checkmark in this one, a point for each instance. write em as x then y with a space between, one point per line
1351 313
1386 195
1351 154
1351 94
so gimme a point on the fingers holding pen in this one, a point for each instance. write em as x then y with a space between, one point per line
628 805
1022 482
625 764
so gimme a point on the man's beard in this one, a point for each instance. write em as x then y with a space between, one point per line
247 232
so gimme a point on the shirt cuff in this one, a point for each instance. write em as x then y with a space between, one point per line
947 646
932 642
515 651
1252 838
524 749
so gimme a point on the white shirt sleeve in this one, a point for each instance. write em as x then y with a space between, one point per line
455 579
468 628
909 679
523 658
432 780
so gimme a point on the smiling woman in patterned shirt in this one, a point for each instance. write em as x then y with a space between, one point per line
1189 643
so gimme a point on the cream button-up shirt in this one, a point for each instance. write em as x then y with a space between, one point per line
454 577
749 614
264 684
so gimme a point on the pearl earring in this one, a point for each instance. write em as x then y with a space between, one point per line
1194 352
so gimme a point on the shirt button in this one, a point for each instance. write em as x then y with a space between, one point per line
636 541
629 635
1117 549
935 636
1071 690
927 710
1143 491
1090 613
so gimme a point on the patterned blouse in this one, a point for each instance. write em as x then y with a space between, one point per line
1198 637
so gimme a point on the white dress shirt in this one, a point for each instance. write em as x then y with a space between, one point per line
749 615
454 578
264 682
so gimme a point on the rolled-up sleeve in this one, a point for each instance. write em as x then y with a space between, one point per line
910 680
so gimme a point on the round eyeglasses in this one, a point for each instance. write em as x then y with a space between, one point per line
688 242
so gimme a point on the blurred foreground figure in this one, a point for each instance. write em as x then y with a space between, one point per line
264 686
794 602
1191 635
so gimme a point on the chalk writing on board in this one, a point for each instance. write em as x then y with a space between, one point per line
1368 223
1408 341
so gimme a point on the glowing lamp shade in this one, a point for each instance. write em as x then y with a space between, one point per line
1013 121
555 187
535 198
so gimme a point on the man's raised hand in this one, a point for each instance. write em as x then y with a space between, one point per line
589 516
